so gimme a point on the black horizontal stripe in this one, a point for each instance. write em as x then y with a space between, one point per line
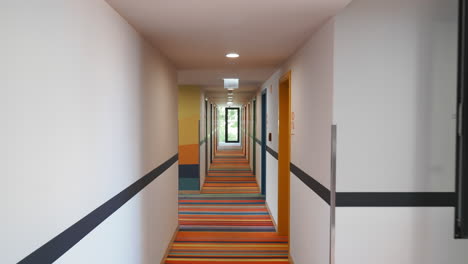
63 242
308 180
374 199
258 141
395 199
272 152
313 184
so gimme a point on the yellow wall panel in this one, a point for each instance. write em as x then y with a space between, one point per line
189 114
189 101
188 131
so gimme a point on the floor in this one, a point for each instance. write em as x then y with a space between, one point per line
228 222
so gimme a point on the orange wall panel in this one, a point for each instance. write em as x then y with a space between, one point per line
188 154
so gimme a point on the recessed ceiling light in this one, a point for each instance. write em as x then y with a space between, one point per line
232 55
231 83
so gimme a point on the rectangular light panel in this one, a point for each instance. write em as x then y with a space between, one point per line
231 83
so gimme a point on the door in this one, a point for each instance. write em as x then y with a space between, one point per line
284 153
254 137
206 138
211 133
264 139
461 212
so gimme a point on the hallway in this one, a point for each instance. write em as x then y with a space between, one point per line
220 131
228 222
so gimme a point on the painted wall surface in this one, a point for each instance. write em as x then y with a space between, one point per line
252 144
404 94
212 130
87 107
395 104
189 137
202 139
311 102
272 127
258 147
258 166
272 185
398 235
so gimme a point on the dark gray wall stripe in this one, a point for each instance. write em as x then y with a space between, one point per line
314 185
272 152
258 141
395 199
374 199
60 244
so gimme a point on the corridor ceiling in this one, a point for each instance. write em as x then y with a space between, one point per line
197 34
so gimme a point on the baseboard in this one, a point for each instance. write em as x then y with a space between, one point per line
189 192
169 246
290 259
271 216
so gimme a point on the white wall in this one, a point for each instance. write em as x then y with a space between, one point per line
250 133
310 225
202 159
311 92
394 104
258 147
272 185
395 95
397 235
311 101
86 108
272 127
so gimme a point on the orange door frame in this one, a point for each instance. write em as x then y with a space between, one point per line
284 153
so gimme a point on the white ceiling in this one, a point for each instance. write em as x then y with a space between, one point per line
205 77
196 34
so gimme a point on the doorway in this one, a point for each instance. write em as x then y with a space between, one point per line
284 153
211 133
254 137
206 138
232 125
263 136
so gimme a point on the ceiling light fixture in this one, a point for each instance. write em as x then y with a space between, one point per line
229 103
232 55
231 83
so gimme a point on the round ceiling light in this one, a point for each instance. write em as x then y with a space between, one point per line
232 55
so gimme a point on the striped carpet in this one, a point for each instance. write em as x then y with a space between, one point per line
228 222
230 173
